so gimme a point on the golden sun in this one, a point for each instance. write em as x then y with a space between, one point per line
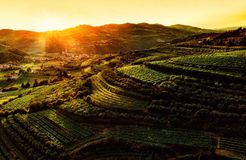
52 23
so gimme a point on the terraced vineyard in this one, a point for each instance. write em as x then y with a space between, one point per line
236 145
168 102
22 102
109 96
65 130
192 71
7 99
144 74
39 135
163 137
24 98
229 65
230 60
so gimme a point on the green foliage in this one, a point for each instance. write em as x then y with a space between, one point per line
237 145
68 128
163 137
236 59
144 74
27 98
154 57
39 135
112 97
19 103
166 67
4 100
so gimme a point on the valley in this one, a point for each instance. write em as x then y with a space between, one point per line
155 92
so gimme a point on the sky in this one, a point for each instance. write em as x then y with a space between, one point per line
42 15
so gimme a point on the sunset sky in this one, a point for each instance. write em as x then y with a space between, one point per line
41 15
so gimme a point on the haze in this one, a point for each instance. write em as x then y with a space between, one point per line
59 14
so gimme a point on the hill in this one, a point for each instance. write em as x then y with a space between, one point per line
163 103
191 28
230 28
9 54
111 38
176 101
27 41
236 38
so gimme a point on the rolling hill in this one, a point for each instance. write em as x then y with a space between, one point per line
111 38
191 28
172 102
9 54
236 38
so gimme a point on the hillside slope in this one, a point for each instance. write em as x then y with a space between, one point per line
111 38
191 28
229 38
8 54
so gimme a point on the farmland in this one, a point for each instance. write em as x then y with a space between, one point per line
173 101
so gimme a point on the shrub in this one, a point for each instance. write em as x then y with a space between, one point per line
27 85
35 84
43 82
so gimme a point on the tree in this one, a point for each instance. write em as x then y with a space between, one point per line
231 42
28 69
21 71
207 42
35 84
28 85
64 74
243 41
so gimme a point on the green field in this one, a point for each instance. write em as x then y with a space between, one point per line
236 59
109 96
144 74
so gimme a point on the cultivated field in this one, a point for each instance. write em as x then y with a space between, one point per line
171 102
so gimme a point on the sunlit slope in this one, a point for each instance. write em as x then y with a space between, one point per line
27 41
9 54
111 38
191 28
230 38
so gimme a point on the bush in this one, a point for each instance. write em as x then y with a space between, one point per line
35 84
43 82
27 85
55 80
35 106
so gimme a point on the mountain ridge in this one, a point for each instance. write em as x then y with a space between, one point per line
109 38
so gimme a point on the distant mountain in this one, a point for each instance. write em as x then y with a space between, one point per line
191 28
27 41
9 54
229 38
231 28
111 38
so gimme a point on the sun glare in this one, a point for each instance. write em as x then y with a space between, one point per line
52 24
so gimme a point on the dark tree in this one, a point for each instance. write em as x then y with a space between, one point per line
35 84
243 41
28 69
28 85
